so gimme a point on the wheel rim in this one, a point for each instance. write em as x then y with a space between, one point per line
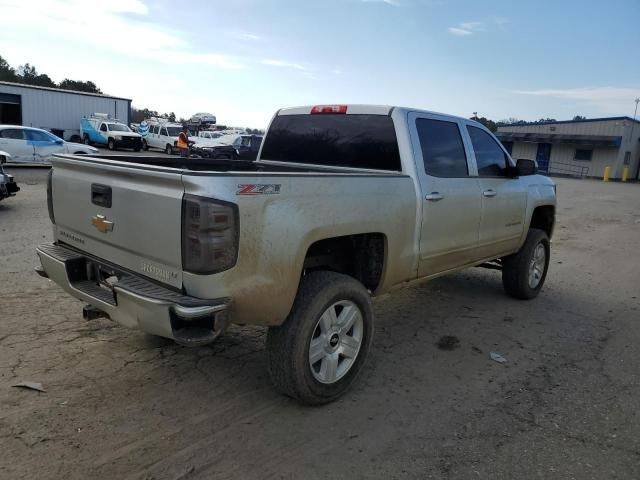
537 265
336 341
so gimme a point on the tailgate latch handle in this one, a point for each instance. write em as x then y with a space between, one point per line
101 195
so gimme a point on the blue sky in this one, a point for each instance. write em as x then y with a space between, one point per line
243 59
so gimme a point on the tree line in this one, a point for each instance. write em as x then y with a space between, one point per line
28 74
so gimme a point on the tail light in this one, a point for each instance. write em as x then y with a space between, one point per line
209 235
50 196
329 109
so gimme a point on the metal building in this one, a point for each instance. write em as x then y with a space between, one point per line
577 147
56 110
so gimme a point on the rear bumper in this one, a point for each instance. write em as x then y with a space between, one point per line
132 300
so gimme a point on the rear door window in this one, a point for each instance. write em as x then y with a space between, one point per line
340 140
12 133
442 148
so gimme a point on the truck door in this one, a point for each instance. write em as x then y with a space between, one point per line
14 142
504 198
450 194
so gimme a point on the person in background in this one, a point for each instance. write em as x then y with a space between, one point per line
183 142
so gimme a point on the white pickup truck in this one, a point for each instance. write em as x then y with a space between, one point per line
345 202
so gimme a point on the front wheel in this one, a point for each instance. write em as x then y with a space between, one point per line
145 146
168 149
86 140
317 353
111 145
524 272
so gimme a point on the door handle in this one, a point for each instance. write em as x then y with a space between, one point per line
489 193
434 196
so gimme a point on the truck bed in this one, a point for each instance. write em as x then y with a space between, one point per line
204 164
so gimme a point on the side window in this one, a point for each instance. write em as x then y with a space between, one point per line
442 148
103 127
490 158
164 132
246 141
36 136
12 133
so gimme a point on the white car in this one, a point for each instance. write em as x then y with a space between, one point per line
34 145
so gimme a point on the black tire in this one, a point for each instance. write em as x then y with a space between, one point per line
288 344
86 140
136 149
111 144
168 149
145 147
516 267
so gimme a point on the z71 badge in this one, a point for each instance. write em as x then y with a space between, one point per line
258 189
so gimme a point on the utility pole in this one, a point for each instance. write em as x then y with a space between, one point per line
637 100
633 125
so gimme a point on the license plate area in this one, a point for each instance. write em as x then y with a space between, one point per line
92 277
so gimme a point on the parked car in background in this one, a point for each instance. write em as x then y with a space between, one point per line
99 129
237 147
161 134
8 186
34 145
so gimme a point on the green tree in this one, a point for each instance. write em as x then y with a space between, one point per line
79 86
490 124
579 117
28 74
7 73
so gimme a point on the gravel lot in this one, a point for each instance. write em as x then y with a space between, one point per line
120 404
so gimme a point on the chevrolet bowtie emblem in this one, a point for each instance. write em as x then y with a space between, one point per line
102 224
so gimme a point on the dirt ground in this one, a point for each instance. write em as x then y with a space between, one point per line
119 404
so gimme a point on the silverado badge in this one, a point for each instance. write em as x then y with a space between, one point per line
102 224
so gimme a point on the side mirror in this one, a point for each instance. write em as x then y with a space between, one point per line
526 167
59 142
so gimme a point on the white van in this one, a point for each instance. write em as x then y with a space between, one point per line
161 134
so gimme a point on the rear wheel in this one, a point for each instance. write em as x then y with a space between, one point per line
144 145
86 140
317 353
524 272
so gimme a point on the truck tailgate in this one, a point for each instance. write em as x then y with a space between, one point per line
127 214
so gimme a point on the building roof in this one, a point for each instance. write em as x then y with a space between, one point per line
62 90
601 119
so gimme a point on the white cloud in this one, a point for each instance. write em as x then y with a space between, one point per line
606 99
283 64
393 3
459 31
247 36
467 28
109 27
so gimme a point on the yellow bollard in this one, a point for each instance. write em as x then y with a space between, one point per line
607 172
625 174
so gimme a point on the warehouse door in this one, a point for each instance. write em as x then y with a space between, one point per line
543 156
10 109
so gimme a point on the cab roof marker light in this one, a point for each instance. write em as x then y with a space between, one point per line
329 109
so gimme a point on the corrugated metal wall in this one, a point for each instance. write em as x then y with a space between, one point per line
53 109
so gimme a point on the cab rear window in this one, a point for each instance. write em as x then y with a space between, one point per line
337 140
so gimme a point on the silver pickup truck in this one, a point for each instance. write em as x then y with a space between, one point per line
345 203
